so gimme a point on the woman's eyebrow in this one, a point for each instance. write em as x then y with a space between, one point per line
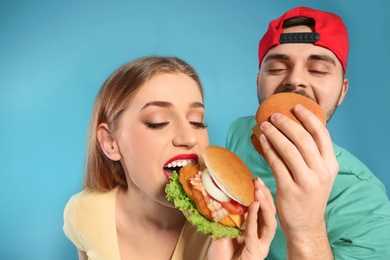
166 104
197 105
157 104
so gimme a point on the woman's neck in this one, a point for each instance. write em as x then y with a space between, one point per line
142 222
134 206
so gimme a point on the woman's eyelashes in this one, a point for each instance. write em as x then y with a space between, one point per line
199 125
158 126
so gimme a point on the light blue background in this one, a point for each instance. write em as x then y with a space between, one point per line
54 56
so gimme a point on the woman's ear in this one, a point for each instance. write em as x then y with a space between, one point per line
108 145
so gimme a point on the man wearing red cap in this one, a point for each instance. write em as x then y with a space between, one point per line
329 203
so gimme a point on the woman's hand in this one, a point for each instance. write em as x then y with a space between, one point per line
259 232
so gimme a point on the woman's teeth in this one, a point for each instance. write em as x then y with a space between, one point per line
179 163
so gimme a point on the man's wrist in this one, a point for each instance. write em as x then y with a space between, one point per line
309 244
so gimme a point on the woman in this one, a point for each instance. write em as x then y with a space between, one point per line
148 113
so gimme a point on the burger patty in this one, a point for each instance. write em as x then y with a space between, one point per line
186 174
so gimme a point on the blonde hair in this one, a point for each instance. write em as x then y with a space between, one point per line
101 173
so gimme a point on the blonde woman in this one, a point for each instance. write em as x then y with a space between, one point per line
149 112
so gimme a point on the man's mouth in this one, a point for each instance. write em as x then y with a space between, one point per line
176 166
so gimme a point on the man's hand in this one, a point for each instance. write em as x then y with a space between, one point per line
305 167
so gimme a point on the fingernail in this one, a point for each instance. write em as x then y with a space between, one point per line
265 125
299 107
261 182
263 138
276 116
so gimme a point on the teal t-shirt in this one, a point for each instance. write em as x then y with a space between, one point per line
358 209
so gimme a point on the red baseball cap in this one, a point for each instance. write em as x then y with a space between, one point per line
329 32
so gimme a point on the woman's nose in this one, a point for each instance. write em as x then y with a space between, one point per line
185 135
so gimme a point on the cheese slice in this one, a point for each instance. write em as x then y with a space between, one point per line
238 219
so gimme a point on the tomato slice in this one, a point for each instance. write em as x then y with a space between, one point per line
234 207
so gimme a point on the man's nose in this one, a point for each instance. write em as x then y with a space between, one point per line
296 78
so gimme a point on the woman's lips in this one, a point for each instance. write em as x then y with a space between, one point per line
175 163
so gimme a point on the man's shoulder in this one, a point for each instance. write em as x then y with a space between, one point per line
355 179
245 120
358 204
351 165
241 126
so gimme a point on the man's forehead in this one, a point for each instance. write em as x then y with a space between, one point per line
300 50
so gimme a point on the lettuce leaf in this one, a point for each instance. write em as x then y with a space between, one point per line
175 192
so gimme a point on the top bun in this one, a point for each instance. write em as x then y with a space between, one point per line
283 103
230 174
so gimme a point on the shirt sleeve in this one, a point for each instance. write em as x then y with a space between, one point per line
70 222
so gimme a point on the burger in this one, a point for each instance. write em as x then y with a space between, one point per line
215 196
283 103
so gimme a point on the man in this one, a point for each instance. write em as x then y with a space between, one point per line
329 203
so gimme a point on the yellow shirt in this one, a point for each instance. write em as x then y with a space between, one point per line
89 222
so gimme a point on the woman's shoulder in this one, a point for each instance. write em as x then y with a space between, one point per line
90 202
88 195
89 221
